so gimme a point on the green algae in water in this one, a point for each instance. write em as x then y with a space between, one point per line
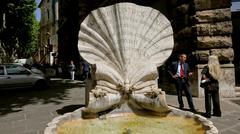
133 124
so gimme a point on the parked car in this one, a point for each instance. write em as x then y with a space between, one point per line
14 76
33 69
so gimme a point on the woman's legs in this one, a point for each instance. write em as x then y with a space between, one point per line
216 103
207 103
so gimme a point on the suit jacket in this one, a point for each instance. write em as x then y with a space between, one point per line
173 69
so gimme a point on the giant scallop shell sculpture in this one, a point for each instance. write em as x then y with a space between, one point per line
126 42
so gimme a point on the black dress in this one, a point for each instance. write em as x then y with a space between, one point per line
211 91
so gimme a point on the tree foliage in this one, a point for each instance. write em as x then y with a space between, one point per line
18 37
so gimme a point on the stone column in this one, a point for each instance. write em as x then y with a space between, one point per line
213 28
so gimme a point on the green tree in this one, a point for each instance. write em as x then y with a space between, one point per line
19 35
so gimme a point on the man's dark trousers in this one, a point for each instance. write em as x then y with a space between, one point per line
183 85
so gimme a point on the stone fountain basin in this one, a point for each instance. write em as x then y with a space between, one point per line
176 121
134 124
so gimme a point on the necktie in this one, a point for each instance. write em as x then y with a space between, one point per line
181 71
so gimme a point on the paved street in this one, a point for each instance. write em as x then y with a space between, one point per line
28 112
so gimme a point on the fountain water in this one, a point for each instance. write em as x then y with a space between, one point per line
126 43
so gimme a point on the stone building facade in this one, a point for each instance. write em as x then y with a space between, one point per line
2 27
204 27
48 44
201 28
69 21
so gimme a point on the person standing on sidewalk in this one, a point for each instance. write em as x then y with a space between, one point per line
85 70
72 69
211 73
180 72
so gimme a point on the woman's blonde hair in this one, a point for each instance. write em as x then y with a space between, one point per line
214 67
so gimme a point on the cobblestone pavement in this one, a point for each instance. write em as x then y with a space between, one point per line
28 111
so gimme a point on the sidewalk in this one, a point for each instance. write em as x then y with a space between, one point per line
229 123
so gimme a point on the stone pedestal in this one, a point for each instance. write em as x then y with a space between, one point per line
226 84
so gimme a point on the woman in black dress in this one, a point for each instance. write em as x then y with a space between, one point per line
211 73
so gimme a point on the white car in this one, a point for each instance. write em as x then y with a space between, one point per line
14 76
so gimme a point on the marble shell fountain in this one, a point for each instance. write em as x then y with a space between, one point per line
126 43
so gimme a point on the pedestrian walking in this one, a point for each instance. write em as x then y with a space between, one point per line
72 69
85 70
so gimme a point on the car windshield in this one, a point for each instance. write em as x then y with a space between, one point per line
12 66
16 70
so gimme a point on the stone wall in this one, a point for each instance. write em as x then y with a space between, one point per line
203 28
180 13
68 32
211 4
213 29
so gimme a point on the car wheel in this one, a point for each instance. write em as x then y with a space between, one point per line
41 85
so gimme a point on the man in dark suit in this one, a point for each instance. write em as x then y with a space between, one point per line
180 72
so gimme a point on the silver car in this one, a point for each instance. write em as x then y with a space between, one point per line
14 76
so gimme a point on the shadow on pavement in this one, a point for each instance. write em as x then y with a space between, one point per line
236 101
13 100
185 109
69 108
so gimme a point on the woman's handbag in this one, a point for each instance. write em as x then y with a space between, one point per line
209 85
204 82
